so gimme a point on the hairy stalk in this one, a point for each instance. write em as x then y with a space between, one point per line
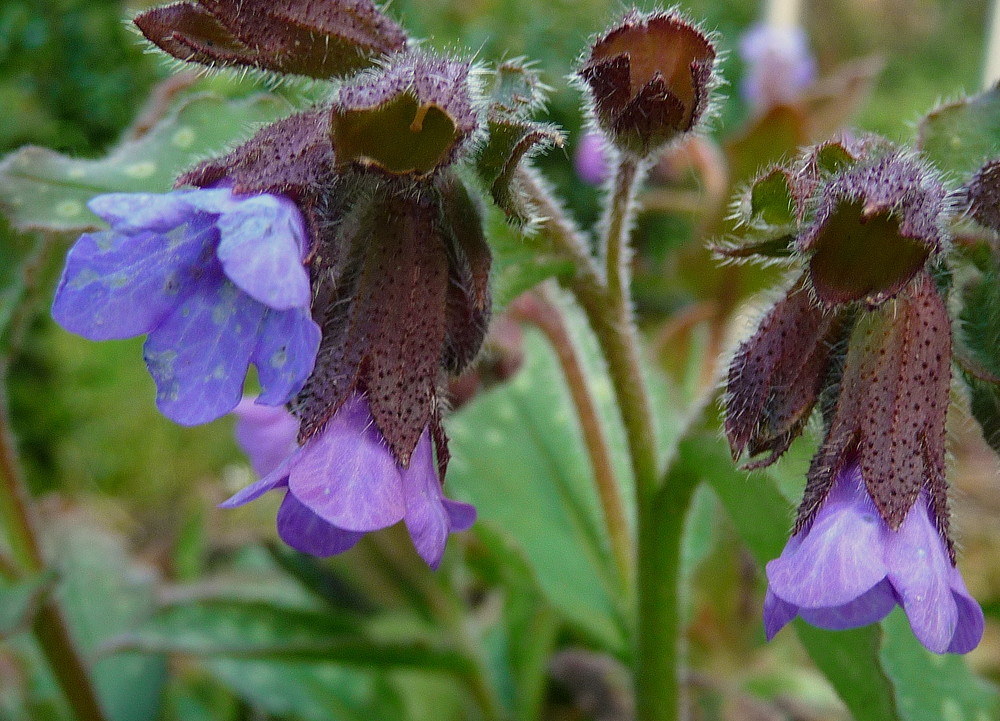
49 626
661 506
539 310
660 652
618 226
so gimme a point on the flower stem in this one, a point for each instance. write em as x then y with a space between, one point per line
49 626
539 310
660 654
783 13
661 505
617 225
991 68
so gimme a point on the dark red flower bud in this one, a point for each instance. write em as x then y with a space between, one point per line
649 79
412 117
319 39
876 226
891 408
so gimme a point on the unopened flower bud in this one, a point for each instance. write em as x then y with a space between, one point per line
649 79
318 39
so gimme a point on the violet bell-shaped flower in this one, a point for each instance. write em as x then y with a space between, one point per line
217 282
847 568
345 481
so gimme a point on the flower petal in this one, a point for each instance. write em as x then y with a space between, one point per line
838 558
777 614
131 213
461 515
304 531
426 517
347 475
969 631
261 248
919 570
200 354
870 607
265 433
285 354
119 286
278 478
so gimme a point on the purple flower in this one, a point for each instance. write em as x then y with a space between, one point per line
591 158
779 65
215 280
345 482
849 569
265 433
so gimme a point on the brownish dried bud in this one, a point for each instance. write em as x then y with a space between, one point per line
891 409
876 226
983 195
777 374
413 117
317 38
649 79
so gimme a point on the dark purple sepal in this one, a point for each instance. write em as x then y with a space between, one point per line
890 413
776 376
983 196
876 226
411 117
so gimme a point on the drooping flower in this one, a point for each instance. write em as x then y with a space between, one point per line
345 481
848 568
779 65
215 280
265 433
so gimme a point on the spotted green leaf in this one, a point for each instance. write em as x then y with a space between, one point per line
41 189
960 136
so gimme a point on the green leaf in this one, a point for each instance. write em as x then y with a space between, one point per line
103 593
848 659
520 262
930 687
511 136
44 190
979 337
960 136
20 601
517 448
253 629
771 199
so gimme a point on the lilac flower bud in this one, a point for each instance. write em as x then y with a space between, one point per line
345 481
779 65
847 568
649 79
591 159
215 280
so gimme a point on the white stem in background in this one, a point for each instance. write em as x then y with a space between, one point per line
991 69
783 13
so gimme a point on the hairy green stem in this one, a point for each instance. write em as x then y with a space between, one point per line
659 643
49 626
661 503
539 310
617 228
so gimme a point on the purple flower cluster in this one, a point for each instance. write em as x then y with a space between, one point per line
849 569
214 279
779 65
344 482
